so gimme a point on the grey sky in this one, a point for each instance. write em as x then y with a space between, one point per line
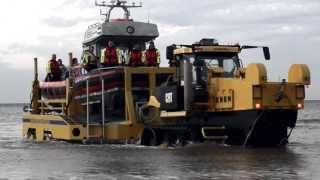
291 28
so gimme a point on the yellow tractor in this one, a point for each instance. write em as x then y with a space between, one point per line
213 97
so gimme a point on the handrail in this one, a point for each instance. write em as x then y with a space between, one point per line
102 106
88 111
57 84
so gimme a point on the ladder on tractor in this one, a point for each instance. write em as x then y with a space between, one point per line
57 105
49 104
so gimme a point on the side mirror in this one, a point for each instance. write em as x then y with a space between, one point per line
266 53
170 50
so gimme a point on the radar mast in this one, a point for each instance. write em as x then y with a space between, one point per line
116 4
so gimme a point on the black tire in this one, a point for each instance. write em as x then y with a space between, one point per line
195 135
31 134
148 114
150 137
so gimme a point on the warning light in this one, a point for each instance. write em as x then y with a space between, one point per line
258 106
300 106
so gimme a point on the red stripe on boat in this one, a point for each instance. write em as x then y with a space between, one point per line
104 74
97 88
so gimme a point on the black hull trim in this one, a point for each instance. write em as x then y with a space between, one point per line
255 127
252 127
270 127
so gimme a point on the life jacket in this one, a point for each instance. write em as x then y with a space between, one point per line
89 58
75 71
111 56
135 58
151 57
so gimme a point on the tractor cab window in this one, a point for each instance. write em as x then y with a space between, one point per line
210 63
229 66
229 63
202 63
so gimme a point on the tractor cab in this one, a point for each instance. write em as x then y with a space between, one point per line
202 62
208 56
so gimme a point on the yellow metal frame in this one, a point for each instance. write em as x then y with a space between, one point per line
236 94
129 129
61 130
205 49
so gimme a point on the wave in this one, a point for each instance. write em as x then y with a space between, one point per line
313 121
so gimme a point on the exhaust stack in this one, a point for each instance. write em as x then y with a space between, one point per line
187 78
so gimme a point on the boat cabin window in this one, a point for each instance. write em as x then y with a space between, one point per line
122 45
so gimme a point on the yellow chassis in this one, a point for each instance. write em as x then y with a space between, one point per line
37 124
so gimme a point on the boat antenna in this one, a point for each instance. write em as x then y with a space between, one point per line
116 4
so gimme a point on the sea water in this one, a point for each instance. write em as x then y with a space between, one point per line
20 159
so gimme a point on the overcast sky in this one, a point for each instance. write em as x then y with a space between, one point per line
38 28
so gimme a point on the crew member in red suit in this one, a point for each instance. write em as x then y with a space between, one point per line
135 57
110 56
152 55
53 69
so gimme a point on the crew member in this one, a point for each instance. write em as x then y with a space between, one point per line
63 69
135 57
110 56
89 59
53 70
75 69
152 55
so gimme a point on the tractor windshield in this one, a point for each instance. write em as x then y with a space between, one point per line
228 63
202 63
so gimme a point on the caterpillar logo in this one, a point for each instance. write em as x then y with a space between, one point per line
169 98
